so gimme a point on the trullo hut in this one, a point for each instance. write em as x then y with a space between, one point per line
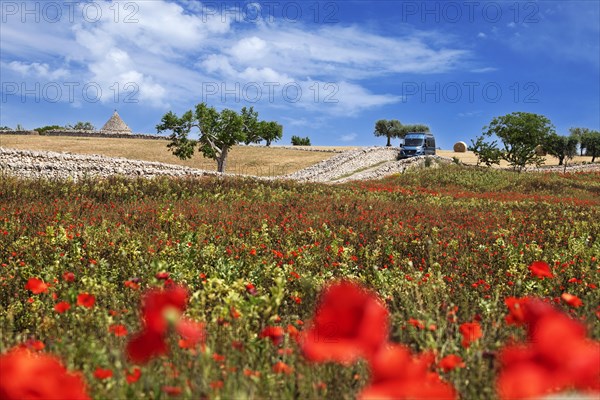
116 126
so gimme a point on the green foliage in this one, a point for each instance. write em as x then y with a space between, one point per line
388 128
82 126
218 131
5 128
520 133
269 131
487 153
591 142
42 130
561 147
578 133
394 129
462 238
299 141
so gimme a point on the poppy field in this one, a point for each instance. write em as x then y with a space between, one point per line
452 282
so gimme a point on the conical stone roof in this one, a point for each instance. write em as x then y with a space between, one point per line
115 125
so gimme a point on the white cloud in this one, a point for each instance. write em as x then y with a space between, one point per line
481 35
249 49
169 50
38 70
484 69
349 137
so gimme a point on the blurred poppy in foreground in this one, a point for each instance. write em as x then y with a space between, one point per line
161 308
398 374
36 286
541 269
557 356
28 375
349 322
470 331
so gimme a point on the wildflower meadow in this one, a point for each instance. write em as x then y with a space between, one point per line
450 282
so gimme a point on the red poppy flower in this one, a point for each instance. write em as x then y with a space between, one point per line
86 300
146 345
103 373
557 356
349 322
132 285
250 289
158 305
161 308
27 375
470 331
416 323
571 300
516 308
134 376
62 307
193 332
292 331
275 333
216 385
32 344
451 362
172 390
36 286
162 275
541 269
398 374
282 368
68 277
118 330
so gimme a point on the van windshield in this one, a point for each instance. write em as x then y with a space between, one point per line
413 142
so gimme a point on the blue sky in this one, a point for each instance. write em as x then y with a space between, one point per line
324 69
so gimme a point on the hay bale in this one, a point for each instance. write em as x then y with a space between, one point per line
460 147
539 151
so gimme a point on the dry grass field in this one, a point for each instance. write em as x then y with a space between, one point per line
471 159
250 160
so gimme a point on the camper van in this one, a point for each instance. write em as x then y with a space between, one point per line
417 144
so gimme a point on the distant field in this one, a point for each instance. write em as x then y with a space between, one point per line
250 160
471 159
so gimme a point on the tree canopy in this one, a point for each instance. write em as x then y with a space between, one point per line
520 133
394 129
561 147
218 131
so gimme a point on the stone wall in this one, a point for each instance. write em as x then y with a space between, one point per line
51 165
91 134
345 163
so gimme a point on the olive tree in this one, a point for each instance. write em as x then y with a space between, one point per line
591 141
389 128
520 133
561 147
218 131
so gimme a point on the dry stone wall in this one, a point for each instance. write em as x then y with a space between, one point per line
46 164
360 164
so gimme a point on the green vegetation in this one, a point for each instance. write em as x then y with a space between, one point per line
441 247
218 131
299 141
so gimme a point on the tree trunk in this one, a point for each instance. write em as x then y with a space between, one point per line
560 160
222 159
389 142
268 142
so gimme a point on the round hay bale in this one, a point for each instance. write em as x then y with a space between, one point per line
460 147
539 151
